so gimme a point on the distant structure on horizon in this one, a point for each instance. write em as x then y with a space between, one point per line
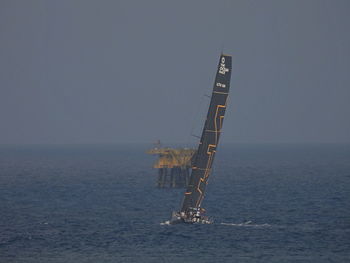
173 165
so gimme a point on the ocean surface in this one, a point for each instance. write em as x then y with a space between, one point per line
99 203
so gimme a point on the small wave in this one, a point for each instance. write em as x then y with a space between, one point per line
246 224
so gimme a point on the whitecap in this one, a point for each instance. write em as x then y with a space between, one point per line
165 223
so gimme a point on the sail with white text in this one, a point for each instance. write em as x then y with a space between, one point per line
191 210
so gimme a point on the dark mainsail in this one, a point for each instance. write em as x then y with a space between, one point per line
210 138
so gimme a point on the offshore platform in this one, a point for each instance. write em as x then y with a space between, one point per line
173 165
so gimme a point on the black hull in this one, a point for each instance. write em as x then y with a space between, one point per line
182 218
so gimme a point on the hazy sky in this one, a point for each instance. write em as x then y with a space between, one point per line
78 71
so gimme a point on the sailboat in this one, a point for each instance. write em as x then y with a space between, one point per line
191 210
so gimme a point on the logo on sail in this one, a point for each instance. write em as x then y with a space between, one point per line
222 68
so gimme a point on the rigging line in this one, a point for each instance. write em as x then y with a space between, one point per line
195 121
196 136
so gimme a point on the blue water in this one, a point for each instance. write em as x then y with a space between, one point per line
98 203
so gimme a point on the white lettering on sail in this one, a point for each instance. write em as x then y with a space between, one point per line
222 68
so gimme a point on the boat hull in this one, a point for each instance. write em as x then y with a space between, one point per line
182 218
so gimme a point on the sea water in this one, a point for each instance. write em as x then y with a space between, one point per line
99 203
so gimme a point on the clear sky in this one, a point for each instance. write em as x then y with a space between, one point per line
135 71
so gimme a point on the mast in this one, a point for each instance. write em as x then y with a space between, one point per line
210 137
